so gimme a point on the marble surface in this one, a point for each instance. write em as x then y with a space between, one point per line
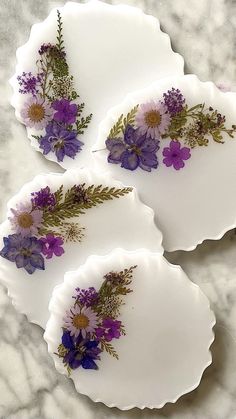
30 388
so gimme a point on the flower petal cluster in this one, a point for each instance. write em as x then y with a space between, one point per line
136 150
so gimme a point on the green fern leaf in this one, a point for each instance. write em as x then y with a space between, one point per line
60 41
130 118
109 349
37 137
117 128
59 194
68 207
83 123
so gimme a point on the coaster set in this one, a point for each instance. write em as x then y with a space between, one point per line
101 93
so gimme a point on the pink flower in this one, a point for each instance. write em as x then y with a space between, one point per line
152 119
82 320
25 220
52 246
175 155
36 113
66 111
110 329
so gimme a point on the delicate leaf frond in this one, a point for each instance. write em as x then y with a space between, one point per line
122 122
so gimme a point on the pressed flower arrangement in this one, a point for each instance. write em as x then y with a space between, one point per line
134 141
52 102
43 224
92 322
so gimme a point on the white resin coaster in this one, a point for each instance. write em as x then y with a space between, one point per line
56 221
175 142
130 330
80 61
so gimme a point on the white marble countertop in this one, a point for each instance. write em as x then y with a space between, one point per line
204 33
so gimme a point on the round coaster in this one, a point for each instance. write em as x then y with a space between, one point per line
175 142
58 220
77 63
130 330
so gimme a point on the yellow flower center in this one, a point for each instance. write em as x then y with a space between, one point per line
136 150
59 143
80 321
152 118
36 112
25 252
25 220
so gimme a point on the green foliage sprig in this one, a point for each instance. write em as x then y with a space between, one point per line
122 123
57 83
70 205
195 125
60 40
83 124
106 346
115 285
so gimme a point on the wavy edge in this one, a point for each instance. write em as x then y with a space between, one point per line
119 252
4 270
111 117
150 19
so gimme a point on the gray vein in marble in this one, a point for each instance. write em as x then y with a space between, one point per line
30 388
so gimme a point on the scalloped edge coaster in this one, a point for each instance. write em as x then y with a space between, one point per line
182 163
56 221
133 320
76 65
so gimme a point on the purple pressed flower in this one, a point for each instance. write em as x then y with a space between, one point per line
24 251
80 194
25 219
44 48
43 198
86 297
52 245
36 113
152 119
29 83
51 50
174 101
136 150
61 141
80 352
175 155
110 329
117 148
66 112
